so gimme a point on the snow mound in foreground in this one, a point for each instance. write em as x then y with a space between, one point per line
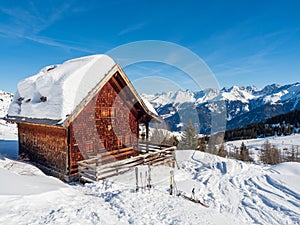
23 179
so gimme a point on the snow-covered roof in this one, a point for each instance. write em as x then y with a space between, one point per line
64 86
53 94
149 106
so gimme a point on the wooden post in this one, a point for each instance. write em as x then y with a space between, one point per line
147 136
149 177
175 161
136 179
171 182
141 176
146 177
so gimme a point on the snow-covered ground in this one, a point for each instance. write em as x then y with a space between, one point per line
236 192
8 131
282 143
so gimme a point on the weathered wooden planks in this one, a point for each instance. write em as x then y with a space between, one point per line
46 145
107 123
97 172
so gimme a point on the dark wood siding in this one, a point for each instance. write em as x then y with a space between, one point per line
107 121
105 124
45 145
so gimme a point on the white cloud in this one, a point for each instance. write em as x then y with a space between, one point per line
27 23
131 28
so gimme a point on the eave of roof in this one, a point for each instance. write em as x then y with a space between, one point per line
17 119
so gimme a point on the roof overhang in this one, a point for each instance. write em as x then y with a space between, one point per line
17 119
147 115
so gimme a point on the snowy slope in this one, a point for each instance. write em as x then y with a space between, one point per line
283 143
5 100
247 191
7 131
236 192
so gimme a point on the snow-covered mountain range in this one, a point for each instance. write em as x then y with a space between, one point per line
244 105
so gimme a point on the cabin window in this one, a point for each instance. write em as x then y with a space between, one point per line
113 112
108 112
104 112
120 144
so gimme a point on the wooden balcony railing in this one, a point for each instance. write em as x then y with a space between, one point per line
97 168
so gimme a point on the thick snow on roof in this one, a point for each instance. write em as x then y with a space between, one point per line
64 86
149 106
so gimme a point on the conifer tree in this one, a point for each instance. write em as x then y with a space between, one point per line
201 144
222 152
244 153
188 139
292 157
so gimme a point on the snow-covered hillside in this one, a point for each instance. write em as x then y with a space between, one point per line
5 100
244 105
283 143
236 192
7 130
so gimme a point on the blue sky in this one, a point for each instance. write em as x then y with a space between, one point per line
243 42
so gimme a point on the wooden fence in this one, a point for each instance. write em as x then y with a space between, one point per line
146 147
93 169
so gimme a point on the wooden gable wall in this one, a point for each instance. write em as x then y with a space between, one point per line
108 122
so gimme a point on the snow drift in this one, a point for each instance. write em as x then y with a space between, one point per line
236 192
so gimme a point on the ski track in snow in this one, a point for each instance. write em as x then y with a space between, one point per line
246 190
236 193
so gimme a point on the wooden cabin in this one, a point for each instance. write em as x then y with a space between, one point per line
104 123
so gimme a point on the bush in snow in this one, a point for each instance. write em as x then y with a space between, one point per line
270 154
222 152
